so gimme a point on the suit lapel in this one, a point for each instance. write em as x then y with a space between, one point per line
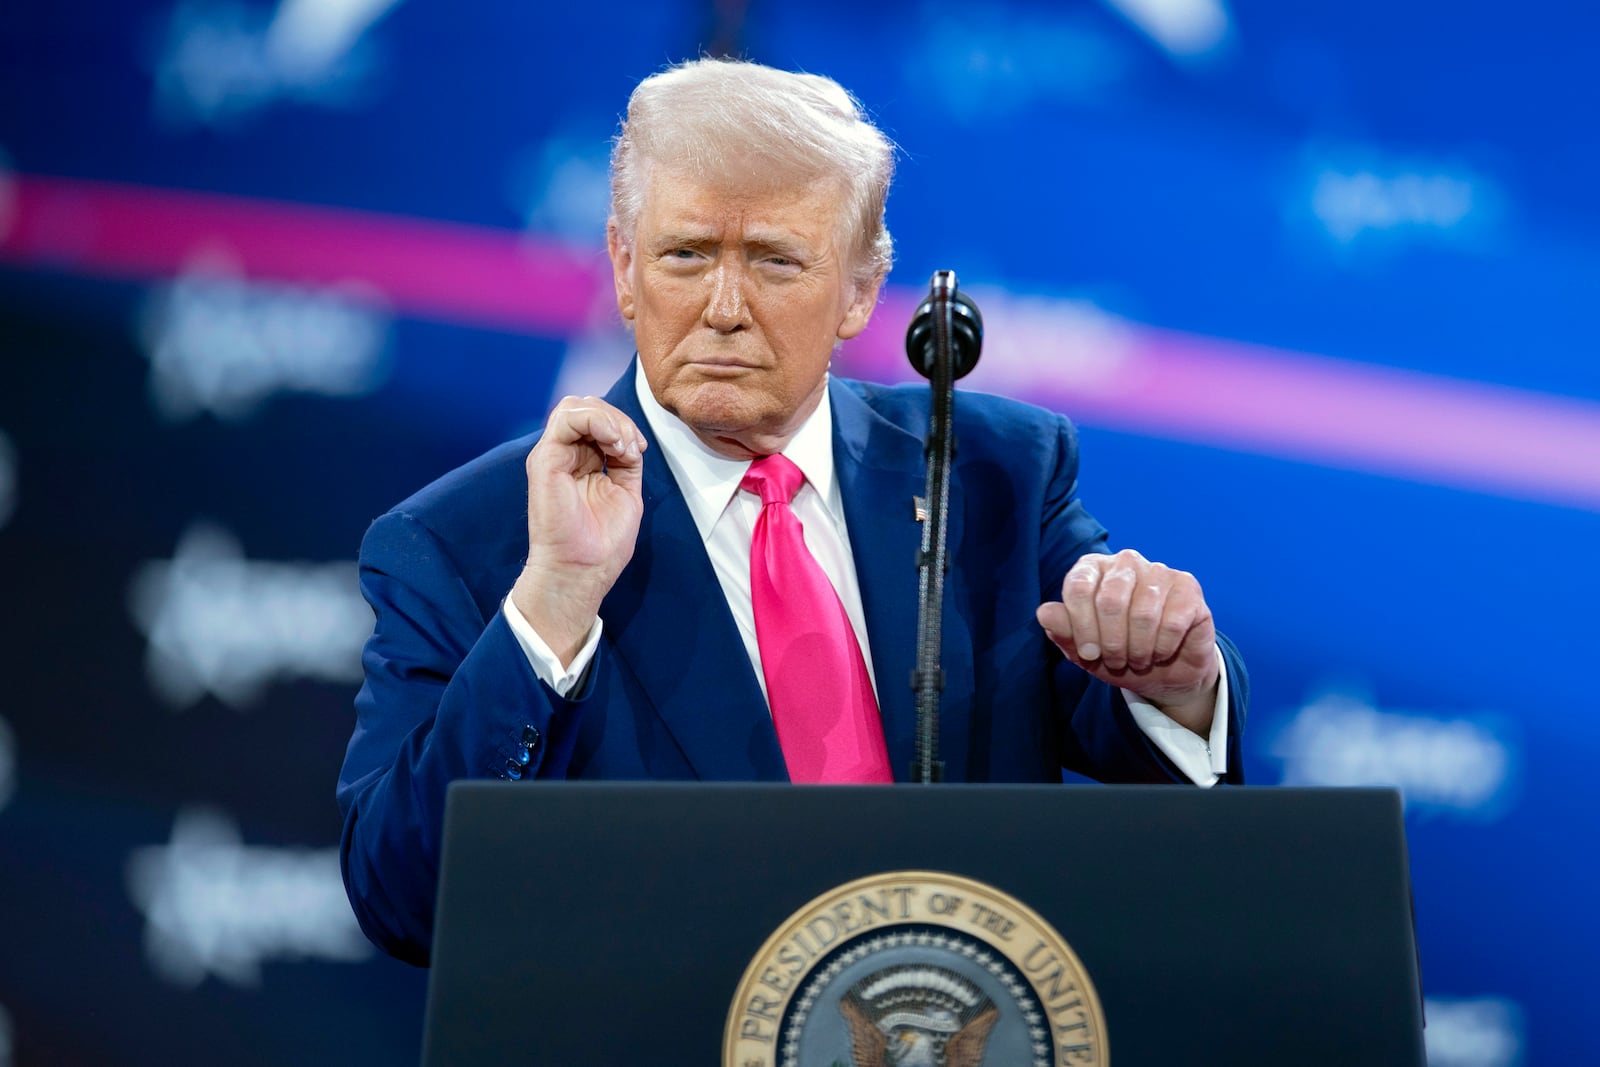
881 469
669 623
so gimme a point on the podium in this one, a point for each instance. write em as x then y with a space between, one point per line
597 924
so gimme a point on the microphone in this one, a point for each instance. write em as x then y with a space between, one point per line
966 328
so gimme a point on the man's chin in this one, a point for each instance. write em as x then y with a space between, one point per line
726 421
712 404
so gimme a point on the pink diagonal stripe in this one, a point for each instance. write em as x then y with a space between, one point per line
476 275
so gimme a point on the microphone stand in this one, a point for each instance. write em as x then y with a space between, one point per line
927 679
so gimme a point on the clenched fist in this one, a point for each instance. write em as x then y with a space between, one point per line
1143 627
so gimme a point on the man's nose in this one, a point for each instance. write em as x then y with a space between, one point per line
727 310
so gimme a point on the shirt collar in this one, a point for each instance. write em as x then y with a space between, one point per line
709 480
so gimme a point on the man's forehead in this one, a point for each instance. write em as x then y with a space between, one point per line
685 194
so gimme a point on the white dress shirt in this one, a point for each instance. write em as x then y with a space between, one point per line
725 518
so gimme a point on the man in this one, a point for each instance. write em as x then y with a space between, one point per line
710 572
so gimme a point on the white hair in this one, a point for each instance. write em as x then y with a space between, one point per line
730 120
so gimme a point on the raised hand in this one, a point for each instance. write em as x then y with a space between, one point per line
584 505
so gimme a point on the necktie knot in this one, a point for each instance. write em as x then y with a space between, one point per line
774 478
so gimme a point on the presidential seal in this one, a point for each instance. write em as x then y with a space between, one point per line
915 968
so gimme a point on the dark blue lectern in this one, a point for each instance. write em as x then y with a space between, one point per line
583 925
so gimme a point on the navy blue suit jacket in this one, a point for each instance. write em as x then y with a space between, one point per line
671 692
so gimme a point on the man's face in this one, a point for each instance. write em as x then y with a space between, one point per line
737 295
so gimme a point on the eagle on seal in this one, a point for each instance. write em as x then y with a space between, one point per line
917 1015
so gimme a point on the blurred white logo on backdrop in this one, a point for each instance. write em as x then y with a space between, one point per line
1350 204
220 61
1441 764
218 623
8 764
222 345
1484 1032
1368 199
8 479
216 906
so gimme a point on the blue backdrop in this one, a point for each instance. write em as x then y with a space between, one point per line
1318 281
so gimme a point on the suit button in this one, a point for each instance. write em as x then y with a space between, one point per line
513 769
523 756
530 736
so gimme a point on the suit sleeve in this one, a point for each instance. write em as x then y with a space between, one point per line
448 694
1097 733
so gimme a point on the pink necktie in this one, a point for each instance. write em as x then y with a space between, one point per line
817 684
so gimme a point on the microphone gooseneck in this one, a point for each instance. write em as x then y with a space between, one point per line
943 342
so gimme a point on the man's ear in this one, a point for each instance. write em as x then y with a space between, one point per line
621 267
862 304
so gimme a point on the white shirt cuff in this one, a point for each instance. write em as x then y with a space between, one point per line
546 664
1203 759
